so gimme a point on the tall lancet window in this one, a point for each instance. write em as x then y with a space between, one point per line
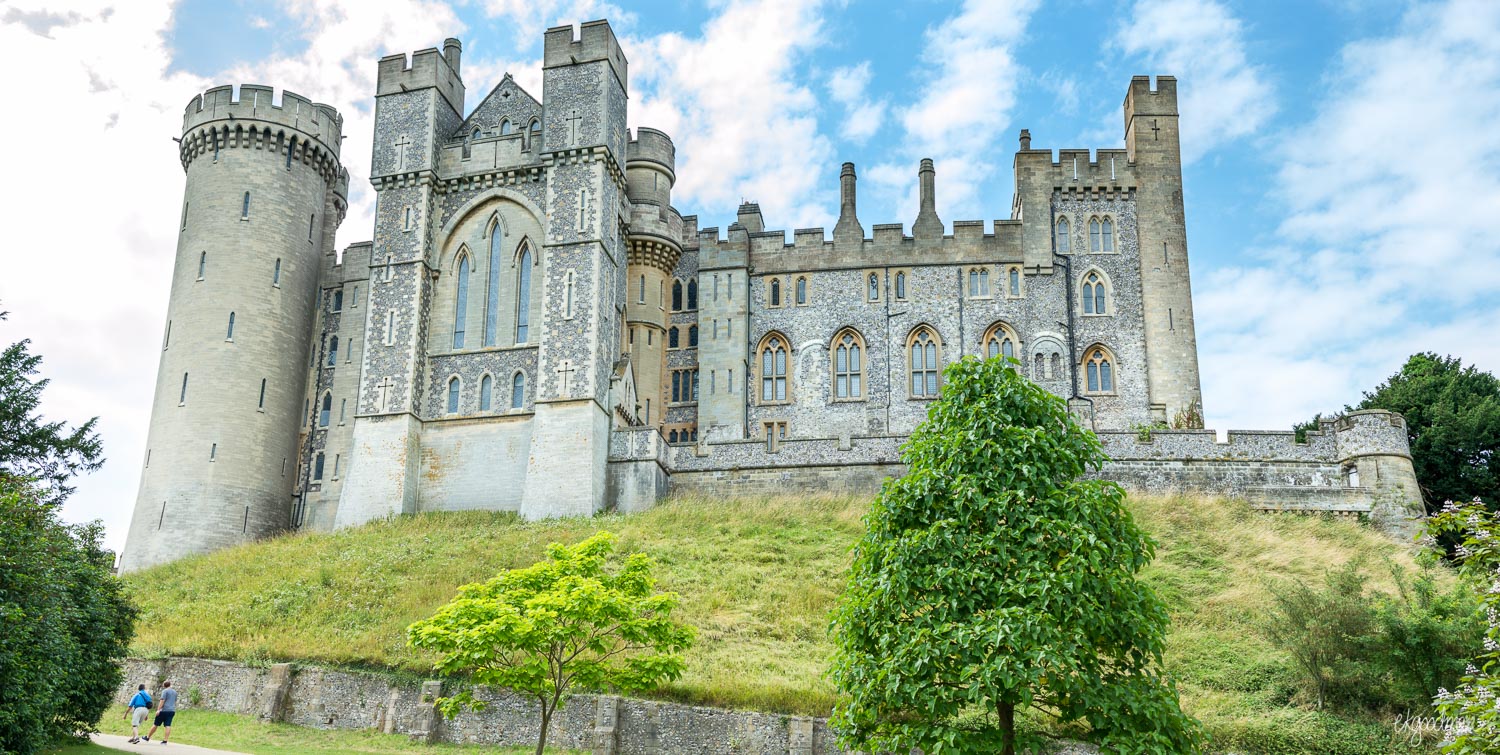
518 390
461 302
1064 241
486 389
523 296
492 307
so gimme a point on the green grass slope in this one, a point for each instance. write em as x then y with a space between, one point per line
757 577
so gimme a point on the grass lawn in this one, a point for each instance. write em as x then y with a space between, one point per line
83 748
224 731
758 577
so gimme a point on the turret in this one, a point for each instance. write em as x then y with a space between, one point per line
265 193
655 245
1152 146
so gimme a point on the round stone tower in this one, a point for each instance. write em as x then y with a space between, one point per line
265 193
655 245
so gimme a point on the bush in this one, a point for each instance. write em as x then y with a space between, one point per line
1357 649
65 620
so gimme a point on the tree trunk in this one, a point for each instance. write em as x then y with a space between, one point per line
541 739
1007 713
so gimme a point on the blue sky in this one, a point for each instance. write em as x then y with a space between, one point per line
1343 170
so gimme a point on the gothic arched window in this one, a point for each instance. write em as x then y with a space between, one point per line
872 286
1098 366
492 305
775 292
848 365
1095 294
1015 281
801 291
338 301
523 295
1064 241
506 129
676 296
692 294
1108 234
773 352
453 386
1000 340
693 336
518 390
672 338
923 364
461 301
325 412
333 351
486 391
901 285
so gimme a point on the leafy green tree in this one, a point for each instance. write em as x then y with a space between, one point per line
49 453
64 619
558 624
1469 713
1453 423
994 577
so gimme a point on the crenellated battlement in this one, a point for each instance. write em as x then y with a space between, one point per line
595 41
260 103
648 145
1144 99
424 69
1104 170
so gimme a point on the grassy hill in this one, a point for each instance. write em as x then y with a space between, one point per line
757 577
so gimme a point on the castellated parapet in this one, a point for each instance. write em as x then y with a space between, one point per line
533 327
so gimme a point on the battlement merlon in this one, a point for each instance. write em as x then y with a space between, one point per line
259 103
596 41
426 69
1103 170
1142 99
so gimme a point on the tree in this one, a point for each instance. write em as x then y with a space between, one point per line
1470 716
65 620
49 453
991 578
561 623
1452 422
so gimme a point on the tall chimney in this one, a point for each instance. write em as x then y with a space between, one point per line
928 227
848 230
451 50
1025 139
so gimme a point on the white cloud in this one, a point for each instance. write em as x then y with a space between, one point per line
744 125
88 255
964 109
1387 247
848 86
1202 44
527 19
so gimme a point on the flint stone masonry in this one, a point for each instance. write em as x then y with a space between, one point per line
592 202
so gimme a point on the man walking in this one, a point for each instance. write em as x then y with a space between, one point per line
136 710
164 713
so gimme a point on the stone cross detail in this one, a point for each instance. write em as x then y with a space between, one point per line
573 121
385 394
401 145
1156 137
566 371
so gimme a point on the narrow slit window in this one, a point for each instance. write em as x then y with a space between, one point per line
245 207
182 396
775 292
310 223
333 351
900 285
318 467
461 302
1015 281
453 387
873 284
213 451
486 391
276 273
343 410
325 414
261 404
801 291
523 297
518 390
202 264
229 334
289 154
492 301
166 340
184 215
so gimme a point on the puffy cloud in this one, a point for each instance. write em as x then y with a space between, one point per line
965 107
1387 247
733 101
1203 45
863 116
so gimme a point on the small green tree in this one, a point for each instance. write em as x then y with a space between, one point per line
561 623
993 577
1323 629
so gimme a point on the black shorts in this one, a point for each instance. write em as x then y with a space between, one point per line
164 718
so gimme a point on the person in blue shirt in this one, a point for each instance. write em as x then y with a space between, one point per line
136 710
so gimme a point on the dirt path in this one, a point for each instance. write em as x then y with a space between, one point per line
116 742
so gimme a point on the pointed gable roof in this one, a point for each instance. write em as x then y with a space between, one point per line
507 101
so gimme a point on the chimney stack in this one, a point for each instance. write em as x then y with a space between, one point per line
848 230
928 227
1025 139
451 50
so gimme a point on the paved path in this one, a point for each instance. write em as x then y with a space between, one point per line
116 742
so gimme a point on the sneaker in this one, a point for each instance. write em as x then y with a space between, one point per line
146 738
134 740
164 741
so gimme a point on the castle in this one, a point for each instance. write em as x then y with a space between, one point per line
535 328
